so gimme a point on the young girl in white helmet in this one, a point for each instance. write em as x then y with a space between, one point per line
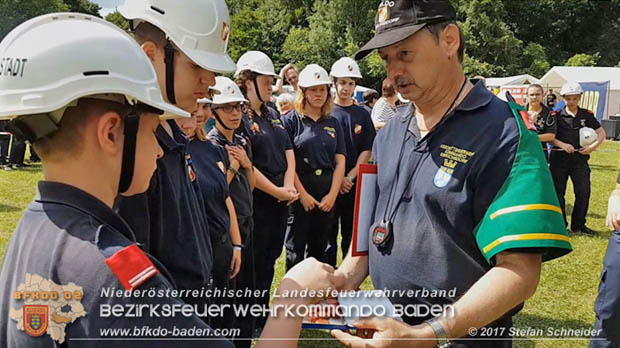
273 160
226 110
320 153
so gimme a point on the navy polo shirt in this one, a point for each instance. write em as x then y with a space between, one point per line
211 162
546 121
568 126
269 142
475 186
317 143
359 131
66 236
169 219
239 188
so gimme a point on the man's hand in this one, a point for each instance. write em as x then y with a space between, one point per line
235 263
613 209
568 148
388 333
586 150
239 154
309 274
307 201
327 203
346 186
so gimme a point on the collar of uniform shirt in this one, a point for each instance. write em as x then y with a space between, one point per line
49 192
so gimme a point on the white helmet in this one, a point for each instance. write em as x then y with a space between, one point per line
313 75
256 61
571 88
346 67
587 136
227 92
199 28
51 61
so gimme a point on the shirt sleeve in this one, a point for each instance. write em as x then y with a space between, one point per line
369 132
551 123
340 145
521 212
591 121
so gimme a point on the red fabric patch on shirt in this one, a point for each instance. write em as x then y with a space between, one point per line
131 266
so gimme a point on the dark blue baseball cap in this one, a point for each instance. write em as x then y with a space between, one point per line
396 20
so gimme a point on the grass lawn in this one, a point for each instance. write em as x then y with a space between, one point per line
565 296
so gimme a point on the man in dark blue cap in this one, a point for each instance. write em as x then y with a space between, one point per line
466 211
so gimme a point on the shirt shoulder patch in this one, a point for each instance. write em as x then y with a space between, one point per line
131 266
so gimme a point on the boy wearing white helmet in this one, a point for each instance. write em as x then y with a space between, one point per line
186 46
572 159
359 134
320 151
274 163
89 101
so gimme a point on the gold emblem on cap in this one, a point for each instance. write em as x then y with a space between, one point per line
225 31
383 14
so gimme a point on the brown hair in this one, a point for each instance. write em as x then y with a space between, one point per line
148 32
535 85
437 28
67 140
244 76
300 102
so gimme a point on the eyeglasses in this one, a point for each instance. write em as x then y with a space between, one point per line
228 108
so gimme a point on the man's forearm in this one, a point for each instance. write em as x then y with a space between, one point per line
512 281
353 271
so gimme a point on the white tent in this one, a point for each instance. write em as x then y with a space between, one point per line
497 82
559 75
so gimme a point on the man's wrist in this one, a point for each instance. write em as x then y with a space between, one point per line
437 332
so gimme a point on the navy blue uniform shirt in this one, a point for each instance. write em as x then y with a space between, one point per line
568 126
239 187
359 131
169 219
316 143
457 204
211 162
269 142
65 237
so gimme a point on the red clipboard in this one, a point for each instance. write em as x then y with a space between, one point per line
364 171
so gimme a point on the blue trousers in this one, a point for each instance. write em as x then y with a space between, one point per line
607 305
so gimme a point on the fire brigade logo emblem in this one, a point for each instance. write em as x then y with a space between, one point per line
225 31
35 319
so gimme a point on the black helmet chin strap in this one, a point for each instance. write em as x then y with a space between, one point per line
217 117
131 121
256 88
169 61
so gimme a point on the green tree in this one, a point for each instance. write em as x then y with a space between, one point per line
535 59
83 6
583 59
14 12
118 19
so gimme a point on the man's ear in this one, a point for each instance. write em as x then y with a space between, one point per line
110 133
450 39
152 50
